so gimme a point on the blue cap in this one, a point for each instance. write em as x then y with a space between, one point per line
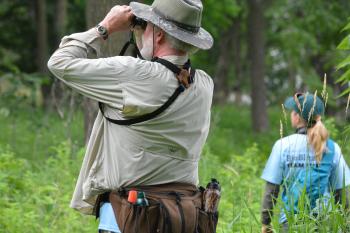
305 107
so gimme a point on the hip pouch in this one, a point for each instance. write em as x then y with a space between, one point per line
171 208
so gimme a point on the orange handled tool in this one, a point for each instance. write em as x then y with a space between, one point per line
132 198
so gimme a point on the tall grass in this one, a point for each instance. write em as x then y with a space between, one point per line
31 132
329 217
36 200
36 184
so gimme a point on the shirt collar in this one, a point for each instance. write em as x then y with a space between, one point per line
301 130
177 60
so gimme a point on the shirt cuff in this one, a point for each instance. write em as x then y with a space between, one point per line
88 38
271 179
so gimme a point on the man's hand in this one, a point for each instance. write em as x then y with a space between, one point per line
118 19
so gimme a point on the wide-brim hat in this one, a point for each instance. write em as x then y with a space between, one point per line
179 18
305 104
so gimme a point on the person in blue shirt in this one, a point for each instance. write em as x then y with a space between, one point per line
108 223
307 161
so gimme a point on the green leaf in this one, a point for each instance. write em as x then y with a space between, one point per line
344 63
347 91
344 78
251 212
345 43
347 27
347 129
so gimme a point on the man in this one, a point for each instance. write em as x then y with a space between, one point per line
162 150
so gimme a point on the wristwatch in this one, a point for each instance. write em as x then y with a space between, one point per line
102 31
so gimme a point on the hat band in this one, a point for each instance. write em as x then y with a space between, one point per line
183 26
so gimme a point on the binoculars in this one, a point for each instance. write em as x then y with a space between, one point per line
136 21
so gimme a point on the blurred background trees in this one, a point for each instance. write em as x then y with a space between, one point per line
264 51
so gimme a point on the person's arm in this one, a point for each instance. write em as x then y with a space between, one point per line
95 78
268 202
273 175
339 197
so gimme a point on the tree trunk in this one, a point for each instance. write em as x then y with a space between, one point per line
223 66
95 12
256 47
60 19
41 21
237 59
42 45
58 89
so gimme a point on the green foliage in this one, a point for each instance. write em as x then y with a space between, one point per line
18 31
7 61
241 187
332 128
330 217
37 179
20 90
344 141
30 132
18 34
301 42
231 131
37 200
344 45
218 17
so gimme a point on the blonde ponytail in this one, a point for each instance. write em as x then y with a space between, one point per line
317 137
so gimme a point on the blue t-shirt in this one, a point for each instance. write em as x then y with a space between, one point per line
107 219
292 164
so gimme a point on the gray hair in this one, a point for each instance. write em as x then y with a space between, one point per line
178 44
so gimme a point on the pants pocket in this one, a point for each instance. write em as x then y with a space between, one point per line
143 219
136 219
122 210
151 218
207 222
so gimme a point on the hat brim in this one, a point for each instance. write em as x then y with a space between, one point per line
201 39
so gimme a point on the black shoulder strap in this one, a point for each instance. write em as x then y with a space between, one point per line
158 111
171 66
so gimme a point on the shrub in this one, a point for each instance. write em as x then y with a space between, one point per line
36 199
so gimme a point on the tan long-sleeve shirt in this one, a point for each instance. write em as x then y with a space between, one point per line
162 150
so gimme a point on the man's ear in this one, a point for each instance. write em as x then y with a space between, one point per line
159 36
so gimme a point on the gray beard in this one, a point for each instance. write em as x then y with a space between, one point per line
147 49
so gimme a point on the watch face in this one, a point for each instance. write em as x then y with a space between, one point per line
102 30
